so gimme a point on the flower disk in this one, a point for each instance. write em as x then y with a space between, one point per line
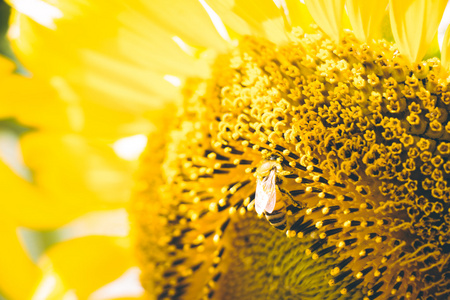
364 141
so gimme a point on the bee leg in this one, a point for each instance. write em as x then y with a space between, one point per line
284 173
296 203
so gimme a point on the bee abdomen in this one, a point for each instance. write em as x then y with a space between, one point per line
277 218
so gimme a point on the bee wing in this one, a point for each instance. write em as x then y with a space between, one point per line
265 196
271 190
261 198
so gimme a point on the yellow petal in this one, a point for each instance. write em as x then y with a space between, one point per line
78 171
151 46
126 57
433 49
445 51
83 63
31 206
27 100
135 31
6 67
18 274
51 287
385 29
414 25
107 223
177 17
85 264
366 16
124 298
127 286
260 18
113 122
114 223
299 15
328 15
145 87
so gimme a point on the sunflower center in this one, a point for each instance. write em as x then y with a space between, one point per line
361 143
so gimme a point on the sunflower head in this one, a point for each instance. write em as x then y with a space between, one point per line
361 140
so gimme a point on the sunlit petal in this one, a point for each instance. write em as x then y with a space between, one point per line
11 154
131 147
78 170
445 52
299 15
365 17
40 11
55 106
101 259
112 223
443 26
126 286
176 16
34 207
175 81
49 288
261 18
18 274
146 87
328 15
140 45
27 100
105 223
414 25
149 45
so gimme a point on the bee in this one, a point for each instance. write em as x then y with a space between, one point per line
270 198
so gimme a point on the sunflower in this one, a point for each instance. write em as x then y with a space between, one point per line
63 194
329 119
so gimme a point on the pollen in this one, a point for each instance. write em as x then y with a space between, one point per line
362 139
